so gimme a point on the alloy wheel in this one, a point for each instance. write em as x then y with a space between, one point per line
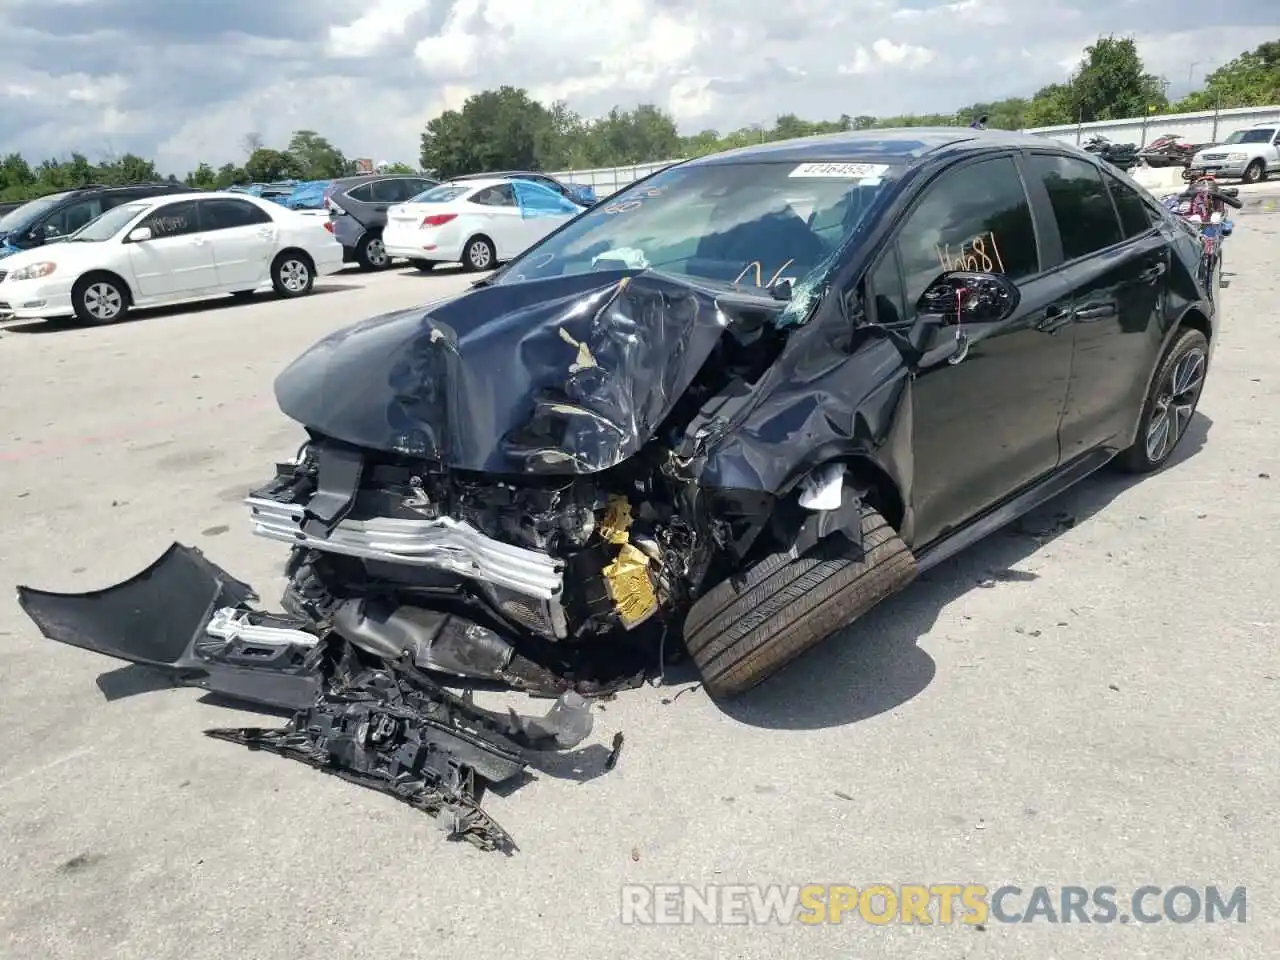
376 252
479 255
103 301
1174 405
294 276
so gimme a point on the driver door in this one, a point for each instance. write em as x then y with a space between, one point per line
987 425
178 259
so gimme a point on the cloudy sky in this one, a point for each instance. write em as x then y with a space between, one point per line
186 80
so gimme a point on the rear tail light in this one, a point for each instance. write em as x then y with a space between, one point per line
438 219
328 225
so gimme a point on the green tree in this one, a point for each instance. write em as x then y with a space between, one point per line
1250 80
202 177
1051 106
314 157
265 165
1111 82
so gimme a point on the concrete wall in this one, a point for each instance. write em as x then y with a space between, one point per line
606 180
1208 127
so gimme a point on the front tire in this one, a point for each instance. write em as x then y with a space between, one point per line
747 628
1170 404
371 254
293 274
1255 171
479 255
99 299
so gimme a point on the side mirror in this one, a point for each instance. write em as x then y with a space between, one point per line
139 234
959 296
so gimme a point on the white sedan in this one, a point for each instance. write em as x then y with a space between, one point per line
176 246
478 223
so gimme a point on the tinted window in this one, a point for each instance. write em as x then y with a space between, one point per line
24 214
227 214
1133 211
414 187
884 290
973 218
72 217
172 220
391 191
1081 205
363 193
500 196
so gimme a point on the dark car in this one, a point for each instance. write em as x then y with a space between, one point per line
727 411
56 215
579 193
358 212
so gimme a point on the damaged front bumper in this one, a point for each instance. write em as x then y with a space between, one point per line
382 723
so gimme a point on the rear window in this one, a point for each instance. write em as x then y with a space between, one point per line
440 194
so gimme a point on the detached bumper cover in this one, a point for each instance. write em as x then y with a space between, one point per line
382 724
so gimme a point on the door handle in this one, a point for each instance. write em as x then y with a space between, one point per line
1095 311
1153 272
1054 319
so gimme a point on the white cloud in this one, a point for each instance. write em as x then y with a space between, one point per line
180 83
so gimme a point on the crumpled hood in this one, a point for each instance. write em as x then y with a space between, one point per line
557 376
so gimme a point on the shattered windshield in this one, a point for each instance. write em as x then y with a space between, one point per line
749 223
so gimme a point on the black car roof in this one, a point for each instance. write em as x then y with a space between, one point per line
898 145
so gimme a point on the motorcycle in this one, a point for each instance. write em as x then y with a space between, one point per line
1203 205
1171 150
1122 155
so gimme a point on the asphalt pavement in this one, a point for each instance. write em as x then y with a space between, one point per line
1088 698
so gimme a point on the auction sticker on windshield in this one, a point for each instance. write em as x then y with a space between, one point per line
843 171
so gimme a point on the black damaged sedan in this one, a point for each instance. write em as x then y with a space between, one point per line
725 413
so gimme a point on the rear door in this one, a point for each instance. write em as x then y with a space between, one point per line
243 237
498 217
178 260
1114 258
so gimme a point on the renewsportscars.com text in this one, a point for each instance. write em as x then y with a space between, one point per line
940 904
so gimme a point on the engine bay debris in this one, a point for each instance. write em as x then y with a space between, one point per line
527 488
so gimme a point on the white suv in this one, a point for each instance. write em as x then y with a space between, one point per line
1249 154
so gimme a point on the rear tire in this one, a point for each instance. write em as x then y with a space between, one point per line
293 274
1255 171
1170 404
479 255
371 254
747 628
100 299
